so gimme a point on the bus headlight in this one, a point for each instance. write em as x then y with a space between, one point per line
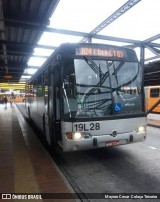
141 129
76 136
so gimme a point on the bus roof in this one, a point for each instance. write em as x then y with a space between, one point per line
88 49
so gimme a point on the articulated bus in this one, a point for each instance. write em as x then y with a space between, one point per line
88 96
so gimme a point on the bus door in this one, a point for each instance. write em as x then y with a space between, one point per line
46 108
54 105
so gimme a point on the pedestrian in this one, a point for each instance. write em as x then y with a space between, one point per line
5 100
11 101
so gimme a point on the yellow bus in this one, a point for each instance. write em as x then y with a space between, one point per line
152 94
14 97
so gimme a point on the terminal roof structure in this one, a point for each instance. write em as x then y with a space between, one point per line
26 25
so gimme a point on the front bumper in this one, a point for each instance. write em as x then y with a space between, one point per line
100 141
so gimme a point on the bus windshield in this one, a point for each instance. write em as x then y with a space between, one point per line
99 88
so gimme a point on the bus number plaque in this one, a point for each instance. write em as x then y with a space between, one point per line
84 127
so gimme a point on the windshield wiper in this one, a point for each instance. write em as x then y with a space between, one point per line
118 67
93 66
97 70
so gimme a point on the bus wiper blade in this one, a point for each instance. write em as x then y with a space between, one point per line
115 73
97 70
118 67
93 66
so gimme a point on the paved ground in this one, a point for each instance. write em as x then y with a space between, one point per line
125 169
131 168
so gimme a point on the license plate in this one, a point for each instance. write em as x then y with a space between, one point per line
112 143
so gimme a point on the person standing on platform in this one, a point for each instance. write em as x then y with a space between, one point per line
11 101
11 98
5 100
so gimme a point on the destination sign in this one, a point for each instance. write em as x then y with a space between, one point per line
107 52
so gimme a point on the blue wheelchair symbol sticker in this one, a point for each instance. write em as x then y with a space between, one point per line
117 107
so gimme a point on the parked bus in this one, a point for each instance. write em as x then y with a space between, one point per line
12 97
152 94
88 96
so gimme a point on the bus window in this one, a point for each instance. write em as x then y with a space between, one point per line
39 86
152 95
46 90
70 102
154 92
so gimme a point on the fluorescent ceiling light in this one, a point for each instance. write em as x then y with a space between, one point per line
30 71
43 52
33 61
54 39
25 77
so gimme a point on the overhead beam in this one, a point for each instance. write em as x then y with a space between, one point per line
110 38
153 38
25 25
69 32
151 58
103 37
152 50
24 45
17 65
30 23
128 5
154 45
18 53
155 49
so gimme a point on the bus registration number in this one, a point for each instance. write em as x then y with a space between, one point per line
86 127
112 143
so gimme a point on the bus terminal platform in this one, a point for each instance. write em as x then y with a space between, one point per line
25 166
153 120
